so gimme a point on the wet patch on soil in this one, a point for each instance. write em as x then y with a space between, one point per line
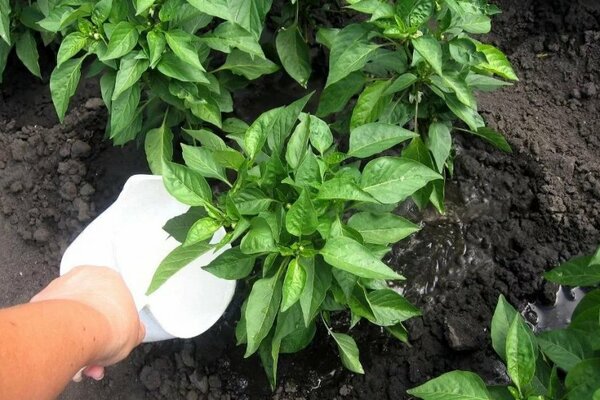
510 218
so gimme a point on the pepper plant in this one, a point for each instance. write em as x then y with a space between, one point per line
552 365
19 30
415 63
170 62
308 224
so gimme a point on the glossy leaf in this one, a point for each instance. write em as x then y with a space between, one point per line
244 64
455 385
301 218
294 54
261 310
382 229
72 44
159 146
201 159
231 264
439 142
63 83
521 353
348 352
186 185
123 39
576 272
26 48
349 255
373 138
293 284
566 348
501 321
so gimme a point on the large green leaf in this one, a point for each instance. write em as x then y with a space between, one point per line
232 264
431 50
318 282
382 229
455 385
130 71
228 36
260 238
497 63
501 321
202 230
301 218
373 138
180 43
583 381
124 112
159 146
294 54
250 67
186 185
170 66
156 46
320 134
142 5
297 145
350 52
521 353
344 189
493 137
72 44
566 348
63 83
349 255
26 48
123 39
392 179
175 261
402 82
439 142
5 12
293 284
390 308
578 271
348 352
261 310
202 160
370 104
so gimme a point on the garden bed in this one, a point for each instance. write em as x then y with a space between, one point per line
510 218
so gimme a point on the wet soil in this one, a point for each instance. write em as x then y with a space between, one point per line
510 218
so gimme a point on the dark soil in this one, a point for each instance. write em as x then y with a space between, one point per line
510 218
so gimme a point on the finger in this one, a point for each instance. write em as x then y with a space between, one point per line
141 332
78 377
96 372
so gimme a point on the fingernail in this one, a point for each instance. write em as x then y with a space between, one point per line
78 376
99 377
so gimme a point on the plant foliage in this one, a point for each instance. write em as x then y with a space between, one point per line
309 225
552 365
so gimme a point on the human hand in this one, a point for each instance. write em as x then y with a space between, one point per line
103 290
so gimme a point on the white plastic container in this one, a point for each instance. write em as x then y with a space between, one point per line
128 237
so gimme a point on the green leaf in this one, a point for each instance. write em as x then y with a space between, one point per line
228 36
334 97
27 52
469 115
382 229
294 54
399 332
63 83
566 348
178 226
348 352
343 189
501 321
370 104
493 137
318 282
297 145
123 39
320 134
439 142
170 66
201 159
232 264
250 67
186 185
392 179
485 83
497 63
72 44
301 218
130 71
180 43
207 139
350 51
373 138
401 83
583 381
455 385
159 147
124 113
293 284
142 5
431 50
260 238
349 255
156 47
578 271
521 353
202 230
5 22
415 12
390 308
263 303
175 261
101 11
4 52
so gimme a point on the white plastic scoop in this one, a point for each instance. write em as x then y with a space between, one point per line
128 237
